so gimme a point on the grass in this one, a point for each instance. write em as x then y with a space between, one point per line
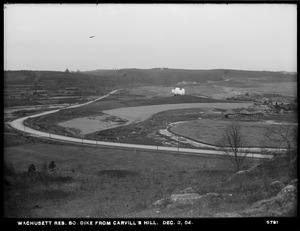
100 182
12 139
237 192
209 131
106 182
24 192
116 173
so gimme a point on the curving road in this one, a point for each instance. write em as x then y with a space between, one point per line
19 125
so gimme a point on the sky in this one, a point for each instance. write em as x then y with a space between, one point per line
187 36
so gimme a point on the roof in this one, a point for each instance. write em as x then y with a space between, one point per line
280 99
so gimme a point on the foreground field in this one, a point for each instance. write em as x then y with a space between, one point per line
102 182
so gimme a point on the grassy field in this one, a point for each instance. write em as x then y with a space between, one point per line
103 182
210 131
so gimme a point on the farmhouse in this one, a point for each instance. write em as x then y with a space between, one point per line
279 101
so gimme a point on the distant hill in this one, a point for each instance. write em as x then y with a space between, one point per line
131 77
161 76
54 80
167 76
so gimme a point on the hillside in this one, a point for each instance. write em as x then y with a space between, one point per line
131 77
266 190
171 76
129 184
49 80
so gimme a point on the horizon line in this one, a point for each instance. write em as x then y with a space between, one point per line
162 68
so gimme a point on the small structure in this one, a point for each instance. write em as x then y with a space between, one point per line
279 101
178 91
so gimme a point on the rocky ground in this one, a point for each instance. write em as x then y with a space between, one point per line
280 199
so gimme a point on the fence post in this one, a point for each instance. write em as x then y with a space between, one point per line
177 143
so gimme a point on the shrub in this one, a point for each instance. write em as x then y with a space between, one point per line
52 166
31 168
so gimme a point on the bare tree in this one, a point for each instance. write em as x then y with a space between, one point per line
233 145
282 137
